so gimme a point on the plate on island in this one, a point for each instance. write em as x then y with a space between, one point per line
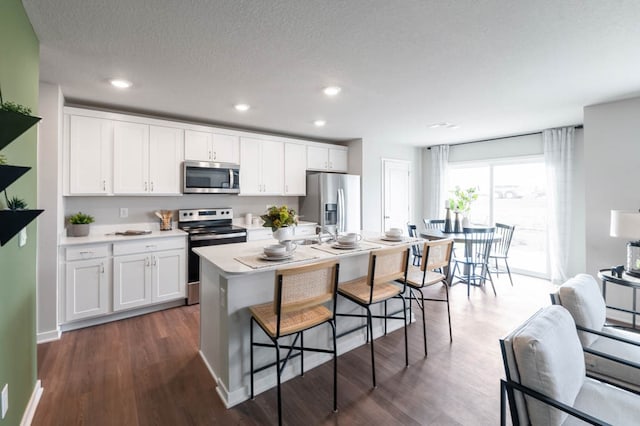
394 239
344 246
276 257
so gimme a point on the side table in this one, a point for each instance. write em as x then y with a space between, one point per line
608 276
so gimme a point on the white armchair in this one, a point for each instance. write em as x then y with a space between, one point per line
546 382
611 354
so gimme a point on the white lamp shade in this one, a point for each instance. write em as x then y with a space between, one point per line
625 224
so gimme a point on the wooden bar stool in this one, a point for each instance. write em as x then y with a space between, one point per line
305 297
385 267
436 262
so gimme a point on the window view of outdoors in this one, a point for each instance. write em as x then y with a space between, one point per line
513 194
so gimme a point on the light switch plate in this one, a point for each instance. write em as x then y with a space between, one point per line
124 212
22 237
4 402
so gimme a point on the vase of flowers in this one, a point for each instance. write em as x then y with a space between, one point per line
461 203
281 220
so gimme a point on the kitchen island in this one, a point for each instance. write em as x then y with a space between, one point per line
233 277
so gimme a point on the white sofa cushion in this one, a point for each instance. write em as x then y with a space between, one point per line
550 360
607 403
620 373
581 296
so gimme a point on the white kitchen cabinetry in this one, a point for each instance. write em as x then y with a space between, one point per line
87 280
148 272
295 182
147 159
257 234
262 167
327 158
90 150
205 146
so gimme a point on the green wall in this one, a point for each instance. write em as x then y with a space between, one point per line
19 74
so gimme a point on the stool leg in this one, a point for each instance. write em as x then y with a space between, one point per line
335 368
302 353
373 358
385 317
251 353
406 339
424 323
278 376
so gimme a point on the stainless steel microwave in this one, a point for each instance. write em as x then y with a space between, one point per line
202 177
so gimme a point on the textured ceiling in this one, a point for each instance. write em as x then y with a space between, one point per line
495 68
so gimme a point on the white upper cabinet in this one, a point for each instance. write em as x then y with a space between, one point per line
90 150
327 158
205 146
147 159
262 167
295 181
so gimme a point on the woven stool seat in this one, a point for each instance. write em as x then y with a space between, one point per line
360 290
291 322
414 278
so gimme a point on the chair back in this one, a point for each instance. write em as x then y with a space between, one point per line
307 286
504 234
581 296
413 233
478 242
437 255
386 265
543 354
434 224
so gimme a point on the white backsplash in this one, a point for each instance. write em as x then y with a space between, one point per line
106 210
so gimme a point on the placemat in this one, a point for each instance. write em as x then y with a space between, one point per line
327 248
405 240
256 261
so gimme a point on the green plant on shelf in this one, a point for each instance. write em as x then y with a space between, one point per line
15 203
13 107
81 219
3 159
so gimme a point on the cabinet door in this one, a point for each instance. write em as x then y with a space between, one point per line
90 147
197 146
131 281
86 288
295 182
272 167
226 148
338 159
317 158
250 173
165 159
130 158
168 275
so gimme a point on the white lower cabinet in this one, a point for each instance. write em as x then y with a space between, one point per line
149 272
87 281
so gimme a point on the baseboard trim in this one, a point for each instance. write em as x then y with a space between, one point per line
48 336
30 411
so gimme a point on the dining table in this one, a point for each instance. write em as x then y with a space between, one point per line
458 237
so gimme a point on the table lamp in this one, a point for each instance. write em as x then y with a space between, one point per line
626 224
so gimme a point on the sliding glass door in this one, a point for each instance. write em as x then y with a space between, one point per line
513 192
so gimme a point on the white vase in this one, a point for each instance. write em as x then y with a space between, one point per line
283 234
465 222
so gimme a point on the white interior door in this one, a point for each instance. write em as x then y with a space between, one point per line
395 196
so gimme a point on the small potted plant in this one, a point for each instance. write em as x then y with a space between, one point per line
15 203
281 220
461 205
79 225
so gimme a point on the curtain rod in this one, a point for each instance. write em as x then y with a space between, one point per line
579 126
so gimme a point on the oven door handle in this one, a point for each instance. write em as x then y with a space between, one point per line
217 236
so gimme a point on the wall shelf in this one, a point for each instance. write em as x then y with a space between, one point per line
13 125
13 221
9 174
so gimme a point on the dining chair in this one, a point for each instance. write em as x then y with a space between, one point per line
305 297
500 250
386 280
435 268
434 224
474 265
416 250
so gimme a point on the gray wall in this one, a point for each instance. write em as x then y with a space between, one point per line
611 154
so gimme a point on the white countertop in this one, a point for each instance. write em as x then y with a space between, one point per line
240 222
106 234
223 256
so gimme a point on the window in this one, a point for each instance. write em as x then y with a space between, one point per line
513 192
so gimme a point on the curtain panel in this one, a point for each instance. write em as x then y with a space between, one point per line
438 175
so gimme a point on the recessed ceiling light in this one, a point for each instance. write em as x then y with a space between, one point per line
445 124
242 107
120 84
452 126
332 90
437 125
319 123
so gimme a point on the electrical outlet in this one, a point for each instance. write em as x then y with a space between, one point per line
4 401
124 212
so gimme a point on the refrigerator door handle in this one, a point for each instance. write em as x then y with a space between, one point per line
341 211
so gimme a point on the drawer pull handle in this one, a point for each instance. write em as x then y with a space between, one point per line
86 252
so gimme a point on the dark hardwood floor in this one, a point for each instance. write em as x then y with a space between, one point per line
147 371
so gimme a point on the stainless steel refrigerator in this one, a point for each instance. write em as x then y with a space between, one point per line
332 201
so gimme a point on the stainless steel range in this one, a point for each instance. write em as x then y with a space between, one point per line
207 227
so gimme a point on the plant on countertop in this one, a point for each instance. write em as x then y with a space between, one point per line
81 219
13 107
279 217
462 199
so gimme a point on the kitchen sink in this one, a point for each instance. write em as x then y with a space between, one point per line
307 242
